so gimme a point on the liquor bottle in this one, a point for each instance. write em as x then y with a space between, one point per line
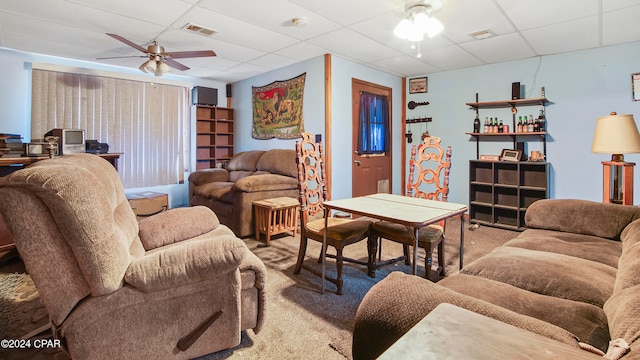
486 125
519 129
476 124
541 121
536 125
530 124
500 127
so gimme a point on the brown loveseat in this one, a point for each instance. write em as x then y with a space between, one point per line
573 276
249 176
118 289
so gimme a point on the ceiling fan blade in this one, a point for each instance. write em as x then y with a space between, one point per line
176 65
130 43
190 54
121 57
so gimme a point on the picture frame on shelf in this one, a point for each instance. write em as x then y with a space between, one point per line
510 155
418 85
635 86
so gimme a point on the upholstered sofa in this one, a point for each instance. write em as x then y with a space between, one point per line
174 285
249 176
573 276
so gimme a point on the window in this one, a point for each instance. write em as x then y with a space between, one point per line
373 129
147 122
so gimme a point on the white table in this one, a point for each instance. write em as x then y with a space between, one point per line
450 333
409 211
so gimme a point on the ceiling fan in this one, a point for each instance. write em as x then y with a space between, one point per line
159 60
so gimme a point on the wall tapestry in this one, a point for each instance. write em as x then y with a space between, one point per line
277 109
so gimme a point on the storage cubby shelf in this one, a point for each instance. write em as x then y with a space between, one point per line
500 192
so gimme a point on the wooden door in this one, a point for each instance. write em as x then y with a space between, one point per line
371 173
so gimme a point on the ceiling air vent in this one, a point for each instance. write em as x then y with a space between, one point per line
482 34
199 29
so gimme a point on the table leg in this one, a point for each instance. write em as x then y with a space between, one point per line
414 269
461 240
270 221
323 252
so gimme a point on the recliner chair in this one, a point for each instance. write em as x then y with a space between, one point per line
175 285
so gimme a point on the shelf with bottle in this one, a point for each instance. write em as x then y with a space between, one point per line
521 125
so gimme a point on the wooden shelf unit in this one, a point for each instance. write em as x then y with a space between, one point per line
215 136
513 104
501 191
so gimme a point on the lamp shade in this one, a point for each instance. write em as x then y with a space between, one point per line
616 134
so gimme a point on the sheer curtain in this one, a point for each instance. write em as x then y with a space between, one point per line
146 122
373 133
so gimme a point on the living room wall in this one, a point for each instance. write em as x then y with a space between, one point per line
342 72
581 86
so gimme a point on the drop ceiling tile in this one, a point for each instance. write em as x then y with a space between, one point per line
347 12
499 48
282 13
273 61
567 36
532 14
405 65
246 68
236 31
162 12
352 44
449 58
184 40
62 14
302 51
459 21
608 5
617 26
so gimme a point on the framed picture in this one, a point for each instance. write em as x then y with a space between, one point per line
418 85
510 155
635 86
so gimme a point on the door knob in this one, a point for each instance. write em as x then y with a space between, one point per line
357 162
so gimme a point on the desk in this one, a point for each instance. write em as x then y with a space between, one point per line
451 332
28 160
412 212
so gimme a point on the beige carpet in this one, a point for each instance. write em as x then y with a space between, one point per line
301 322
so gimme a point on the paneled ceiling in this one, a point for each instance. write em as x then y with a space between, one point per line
257 36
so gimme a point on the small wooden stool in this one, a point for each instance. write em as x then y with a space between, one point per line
276 216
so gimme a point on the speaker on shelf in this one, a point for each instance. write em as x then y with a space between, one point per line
204 96
521 145
515 91
229 91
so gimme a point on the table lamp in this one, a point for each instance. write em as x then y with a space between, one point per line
617 134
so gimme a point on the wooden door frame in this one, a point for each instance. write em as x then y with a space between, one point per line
355 81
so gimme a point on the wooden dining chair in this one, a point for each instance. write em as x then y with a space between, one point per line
429 167
313 192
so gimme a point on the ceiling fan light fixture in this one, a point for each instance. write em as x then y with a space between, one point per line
149 66
403 28
433 27
419 21
162 68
